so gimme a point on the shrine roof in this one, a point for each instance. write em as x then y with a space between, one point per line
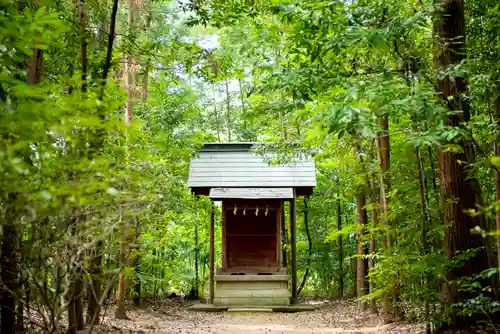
237 165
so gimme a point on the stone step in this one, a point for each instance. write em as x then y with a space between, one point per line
254 301
274 293
251 285
282 308
249 309
227 278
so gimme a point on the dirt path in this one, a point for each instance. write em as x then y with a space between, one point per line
172 317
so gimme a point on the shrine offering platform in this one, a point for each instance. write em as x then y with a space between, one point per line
253 289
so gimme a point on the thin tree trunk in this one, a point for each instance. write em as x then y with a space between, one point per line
130 64
340 246
497 178
10 268
424 199
155 273
284 238
137 283
94 308
361 271
84 42
109 51
130 72
228 104
424 203
76 304
145 79
79 288
94 293
372 248
20 307
145 94
120 312
196 257
433 171
145 82
457 192
383 145
424 225
216 114
243 109
72 326
309 249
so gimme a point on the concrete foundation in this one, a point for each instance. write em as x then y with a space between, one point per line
252 290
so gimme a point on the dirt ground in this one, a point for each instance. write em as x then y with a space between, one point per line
171 316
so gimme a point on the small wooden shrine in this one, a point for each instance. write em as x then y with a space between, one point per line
253 268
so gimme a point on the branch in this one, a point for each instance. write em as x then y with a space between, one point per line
109 52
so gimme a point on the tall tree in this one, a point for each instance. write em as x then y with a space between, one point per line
457 192
12 228
384 153
130 80
95 300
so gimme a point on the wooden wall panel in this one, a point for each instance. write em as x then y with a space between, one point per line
251 240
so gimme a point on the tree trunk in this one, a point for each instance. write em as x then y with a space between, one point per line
497 178
94 292
75 312
137 283
94 307
109 50
284 238
216 114
244 111
196 257
130 63
340 250
457 192
309 249
78 303
372 248
84 42
35 64
383 146
10 269
424 225
361 271
228 104
130 71
120 312
75 305
145 79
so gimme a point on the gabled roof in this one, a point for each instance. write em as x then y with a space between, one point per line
235 165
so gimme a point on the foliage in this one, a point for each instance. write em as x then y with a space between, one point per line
79 185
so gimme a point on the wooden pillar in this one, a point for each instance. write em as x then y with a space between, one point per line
212 254
284 237
293 243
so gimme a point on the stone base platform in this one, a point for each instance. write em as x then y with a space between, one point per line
251 290
284 309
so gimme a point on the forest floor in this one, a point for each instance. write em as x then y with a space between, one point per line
172 316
